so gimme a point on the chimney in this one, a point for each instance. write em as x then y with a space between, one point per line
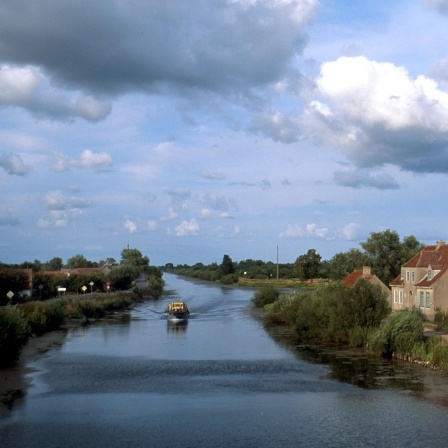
366 270
440 244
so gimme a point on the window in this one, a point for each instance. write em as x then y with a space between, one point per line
408 276
402 274
428 300
395 296
429 273
401 296
413 276
422 298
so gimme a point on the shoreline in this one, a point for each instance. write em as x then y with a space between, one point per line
13 380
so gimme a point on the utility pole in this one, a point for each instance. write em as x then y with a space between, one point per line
277 261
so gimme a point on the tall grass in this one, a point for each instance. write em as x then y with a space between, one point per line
14 333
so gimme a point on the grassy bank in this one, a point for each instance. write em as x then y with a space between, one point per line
19 322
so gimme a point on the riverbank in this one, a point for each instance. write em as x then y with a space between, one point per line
13 380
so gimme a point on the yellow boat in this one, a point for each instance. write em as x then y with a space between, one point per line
177 311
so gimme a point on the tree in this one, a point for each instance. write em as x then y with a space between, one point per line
134 258
308 265
55 264
78 261
227 267
344 263
386 253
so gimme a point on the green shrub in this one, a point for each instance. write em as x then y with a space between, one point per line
14 333
229 279
265 295
44 316
441 320
283 310
401 334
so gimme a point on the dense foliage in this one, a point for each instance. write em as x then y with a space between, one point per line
265 295
331 312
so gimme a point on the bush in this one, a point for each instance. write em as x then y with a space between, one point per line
265 295
14 333
441 320
400 335
44 316
229 279
285 309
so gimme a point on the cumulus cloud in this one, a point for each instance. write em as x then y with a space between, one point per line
129 45
63 210
27 87
379 115
88 160
349 232
187 228
309 231
13 164
60 218
130 226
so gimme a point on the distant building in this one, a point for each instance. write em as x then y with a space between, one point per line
350 279
423 281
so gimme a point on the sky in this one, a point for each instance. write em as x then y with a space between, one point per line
192 129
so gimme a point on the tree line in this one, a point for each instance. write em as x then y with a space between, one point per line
120 276
383 251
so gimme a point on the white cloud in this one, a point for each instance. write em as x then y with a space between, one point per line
187 228
27 87
309 231
379 115
206 213
60 218
130 226
349 232
89 159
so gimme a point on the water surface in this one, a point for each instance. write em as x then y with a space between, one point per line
220 380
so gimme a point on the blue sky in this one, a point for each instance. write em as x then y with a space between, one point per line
193 129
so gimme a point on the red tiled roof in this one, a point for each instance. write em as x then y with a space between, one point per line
435 256
350 279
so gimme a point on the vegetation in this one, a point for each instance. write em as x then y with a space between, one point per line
265 295
382 251
21 317
331 312
14 333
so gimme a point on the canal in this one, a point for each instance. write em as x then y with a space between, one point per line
221 380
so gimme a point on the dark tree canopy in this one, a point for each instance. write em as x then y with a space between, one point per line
308 265
227 266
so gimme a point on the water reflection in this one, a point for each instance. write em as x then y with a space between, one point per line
176 327
368 371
